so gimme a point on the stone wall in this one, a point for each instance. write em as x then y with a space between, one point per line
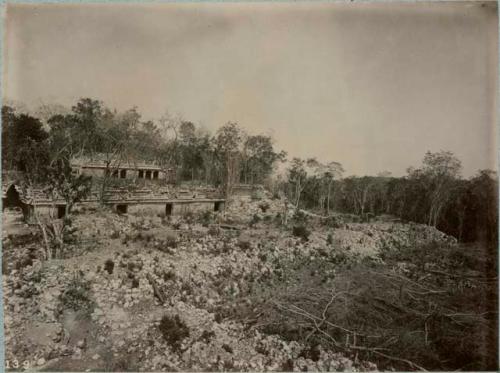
45 211
176 207
130 173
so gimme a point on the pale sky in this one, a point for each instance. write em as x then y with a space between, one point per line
372 86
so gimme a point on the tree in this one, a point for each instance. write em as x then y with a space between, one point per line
191 147
357 189
168 154
24 142
64 183
259 158
439 170
297 176
327 173
228 142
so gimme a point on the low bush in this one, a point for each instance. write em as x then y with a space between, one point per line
244 245
255 220
329 239
171 242
301 231
300 217
76 295
189 217
135 283
173 330
332 222
206 218
207 336
23 262
169 276
109 265
264 206
213 230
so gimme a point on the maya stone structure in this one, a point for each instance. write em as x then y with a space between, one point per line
166 205
98 166
157 195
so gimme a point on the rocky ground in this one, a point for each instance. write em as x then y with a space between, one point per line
100 307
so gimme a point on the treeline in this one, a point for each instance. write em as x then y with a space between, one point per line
92 130
434 194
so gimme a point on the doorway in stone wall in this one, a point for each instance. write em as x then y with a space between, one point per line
121 209
61 212
168 209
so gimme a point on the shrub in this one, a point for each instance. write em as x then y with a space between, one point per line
169 276
174 330
135 283
329 239
171 242
189 217
255 219
227 348
244 245
206 218
109 265
264 206
213 230
300 217
256 195
23 262
36 276
207 336
76 297
332 222
301 231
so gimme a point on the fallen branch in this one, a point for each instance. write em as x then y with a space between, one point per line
157 292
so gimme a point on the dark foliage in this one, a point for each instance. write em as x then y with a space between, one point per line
109 265
433 307
76 295
174 330
301 231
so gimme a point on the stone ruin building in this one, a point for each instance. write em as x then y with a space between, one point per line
151 191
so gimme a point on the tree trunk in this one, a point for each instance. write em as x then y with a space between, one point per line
328 198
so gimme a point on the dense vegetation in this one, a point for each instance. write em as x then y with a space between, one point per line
433 194
433 308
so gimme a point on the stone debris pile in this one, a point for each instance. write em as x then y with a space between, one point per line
369 239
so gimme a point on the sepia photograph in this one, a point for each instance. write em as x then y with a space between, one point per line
270 186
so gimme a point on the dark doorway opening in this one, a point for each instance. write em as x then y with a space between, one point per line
155 174
141 174
168 209
148 174
218 206
121 209
123 174
12 198
61 212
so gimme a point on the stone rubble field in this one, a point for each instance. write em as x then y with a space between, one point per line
204 273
